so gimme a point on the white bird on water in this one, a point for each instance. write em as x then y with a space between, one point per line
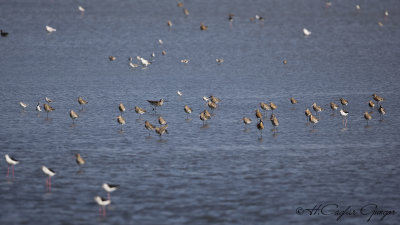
306 32
49 172
81 9
50 29
179 93
102 203
133 65
143 61
109 188
10 161
38 108
23 105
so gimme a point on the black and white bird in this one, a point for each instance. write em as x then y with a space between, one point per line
109 188
38 108
49 172
11 162
102 203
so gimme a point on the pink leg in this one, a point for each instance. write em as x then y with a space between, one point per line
8 170
104 211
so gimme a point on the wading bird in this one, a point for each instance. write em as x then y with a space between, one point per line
121 108
149 126
381 111
367 116
79 160
109 188
156 104
73 115
260 127
344 114
49 172
188 110
102 203
47 108
161 130
246 120
121 121
82 102
161 120
23 105
139 111
11 162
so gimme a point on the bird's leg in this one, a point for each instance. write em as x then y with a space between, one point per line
104 211
100 210
8 170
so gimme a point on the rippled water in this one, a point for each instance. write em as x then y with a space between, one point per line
221 173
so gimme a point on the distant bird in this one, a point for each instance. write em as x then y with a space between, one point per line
133 65
328 4
38 108
50 29
161 130
306 32
358 7
186 12
73 115
293 100
3 33
246 120
272 106
265 106
284 61
381 111
47 108
169 23
206 99
307 112
203 27
144 62
102 203
214 99
179 93
219 61
23 105
79 160
153 55
386 13
344 102
163 52
160 42
377 98
207 114
11 162
185 61
149 126
82 102
230 17
49 172
180 4
80 8
314 120
121 121
112 58
156 103
260 126
109 188
258 114
161 120
371 104
139 110
333 106
380 24
344 114
367 116
212 105
274 120
48 99
203 117
121 108
317 108
188 110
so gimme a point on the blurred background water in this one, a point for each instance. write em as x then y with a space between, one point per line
221 173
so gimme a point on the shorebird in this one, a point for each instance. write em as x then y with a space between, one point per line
3 33
109 188
386 13
219 61
161 130
258 114
11 162
230 17
274 120
381 111
186 61
23 105
186 12
169 23
260 126
149 126
121 108
179 93
314 120
371 104
207 114
79 160
203 27
73 115
49 172
344 102
38 108
317 108
48 99
153 55
156 103
50 29
293 100
102 203
265 106
163 52
212 105
344 114
145 62
307 112
160 42
246 120
161 120
377 98
306 32
80 8
284 61
180 4
82 102
139 111
133 65
112 58
334 106
121 120
367 116
214 99
273 106
188 110
203 117
47 108
358 7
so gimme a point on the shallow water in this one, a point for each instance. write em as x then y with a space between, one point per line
222 173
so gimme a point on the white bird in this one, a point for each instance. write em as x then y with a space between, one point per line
102 203
144 61
186 61
49 172
10 161
23 105
81 9
153 55
306 32
160 41
206 99
386 13
48 99
50 29
109 188
358 7
133 65
38 108
179 93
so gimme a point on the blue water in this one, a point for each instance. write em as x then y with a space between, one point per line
219 173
